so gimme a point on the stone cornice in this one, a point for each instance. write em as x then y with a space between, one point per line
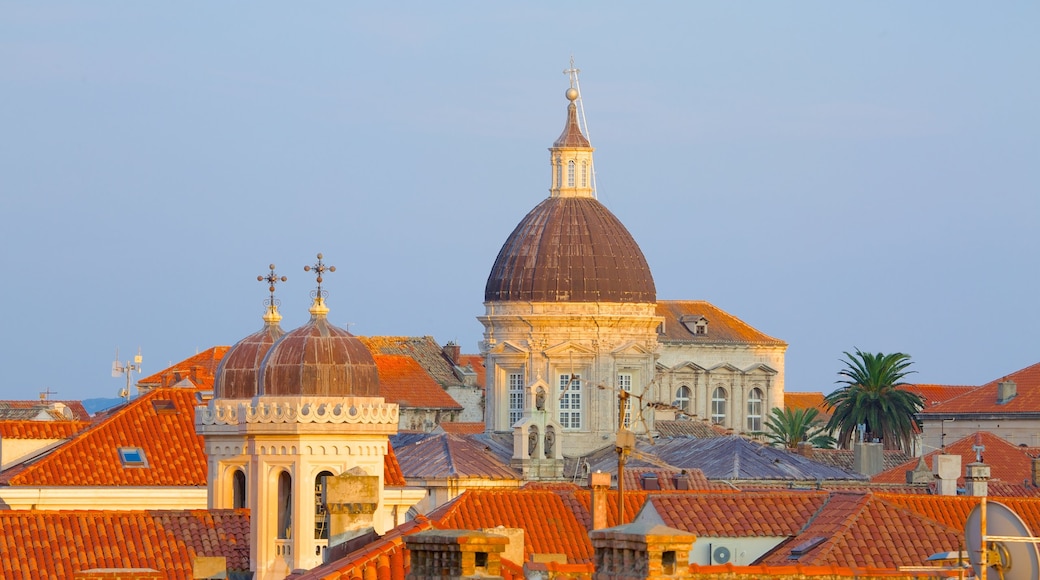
299 410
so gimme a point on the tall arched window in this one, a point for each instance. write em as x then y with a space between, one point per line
584 173
570 173
559 171
754 410
238 489
682 398
321 516
718 406
284 506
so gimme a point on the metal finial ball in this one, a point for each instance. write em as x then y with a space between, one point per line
272 266
572 94
259 278
272 287
319 256
284 278
306 268
332 268
319 279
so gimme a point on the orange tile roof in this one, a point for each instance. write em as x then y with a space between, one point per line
41 429
57 544
984 399
173 451
403 381
1008 463
392 475
808 401
952 511
723 327
462 428
861 529
934 394
738 514
476 362
79 412
383 559
199 369
424 349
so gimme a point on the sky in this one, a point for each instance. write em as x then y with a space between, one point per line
838 175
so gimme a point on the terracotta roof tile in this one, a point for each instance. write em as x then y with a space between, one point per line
475 362
403 381
952 511
689 427
57 544
1008 463
984 399
385 558
461 428
424 349
199 369
934 394
723 327
41 429
392 476
738 514
808 401
79 412
172 451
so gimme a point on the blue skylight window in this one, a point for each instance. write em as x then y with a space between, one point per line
132 457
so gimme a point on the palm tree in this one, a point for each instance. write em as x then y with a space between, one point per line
872 397
788 427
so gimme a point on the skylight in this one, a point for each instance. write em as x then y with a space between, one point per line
164 407
132 457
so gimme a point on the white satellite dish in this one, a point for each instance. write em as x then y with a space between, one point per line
1011 550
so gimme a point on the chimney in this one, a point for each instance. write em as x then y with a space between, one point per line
351 501
804 448
946 468
452 351
451 554
976 479
600 484
868 458
1006 390
920 473
1035 471
514 550
641 550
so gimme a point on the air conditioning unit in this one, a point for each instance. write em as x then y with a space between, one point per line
721 553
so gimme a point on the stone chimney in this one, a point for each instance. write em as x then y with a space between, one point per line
600 484
976 479
455 554
804 448
946 468
641 550
351 501
1006 390
1035 471
920 473
868 458
453 352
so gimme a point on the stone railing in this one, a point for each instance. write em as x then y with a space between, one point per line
350 410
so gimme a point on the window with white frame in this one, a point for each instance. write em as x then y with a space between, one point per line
624 383
570 173
584 173
559 171
718 406
516 397
754 410
682 398
570 401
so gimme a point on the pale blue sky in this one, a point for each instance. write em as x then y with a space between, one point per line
837 174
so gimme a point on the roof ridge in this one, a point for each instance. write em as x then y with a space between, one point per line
847 520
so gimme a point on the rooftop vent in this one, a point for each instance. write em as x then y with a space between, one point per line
1006 390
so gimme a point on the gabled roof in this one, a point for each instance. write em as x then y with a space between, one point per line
41 429
737 514
731 458
689 427
57 544
952 511
403 381
445 455
424 349
26 410
861 529
164 432
384 558
1008 463
199 369
933 395
723 327
392 476
462 428
808 401
475 362
670 480
983 400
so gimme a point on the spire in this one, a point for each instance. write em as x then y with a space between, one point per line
272 317
571 154
318 309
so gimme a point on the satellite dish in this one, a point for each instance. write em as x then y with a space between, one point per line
1006 560
720 555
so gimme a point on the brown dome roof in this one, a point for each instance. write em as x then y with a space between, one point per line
239 371
570 249
319 359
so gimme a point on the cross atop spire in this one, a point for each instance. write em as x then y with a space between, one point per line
572 73
319 295
271 316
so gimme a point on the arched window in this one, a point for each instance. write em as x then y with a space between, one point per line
570 173
321 516
284 506
682 398
718 406
584 173
754 410
559 171
238 489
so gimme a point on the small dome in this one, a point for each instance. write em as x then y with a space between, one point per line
319 359
238 375
570 249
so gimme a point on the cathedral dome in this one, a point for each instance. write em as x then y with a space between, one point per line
239 371
570 248
319 359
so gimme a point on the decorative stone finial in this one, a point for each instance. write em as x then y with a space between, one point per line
272 316
319 308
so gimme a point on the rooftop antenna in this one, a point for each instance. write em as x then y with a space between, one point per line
572 73
47 393
1000 546
126 369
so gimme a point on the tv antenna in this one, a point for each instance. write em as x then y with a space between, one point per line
1000 546
572 73
625 439
44 395
126 369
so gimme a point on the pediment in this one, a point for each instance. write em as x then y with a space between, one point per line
632 347
760 369
507 347
724 368
568 348
687 366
